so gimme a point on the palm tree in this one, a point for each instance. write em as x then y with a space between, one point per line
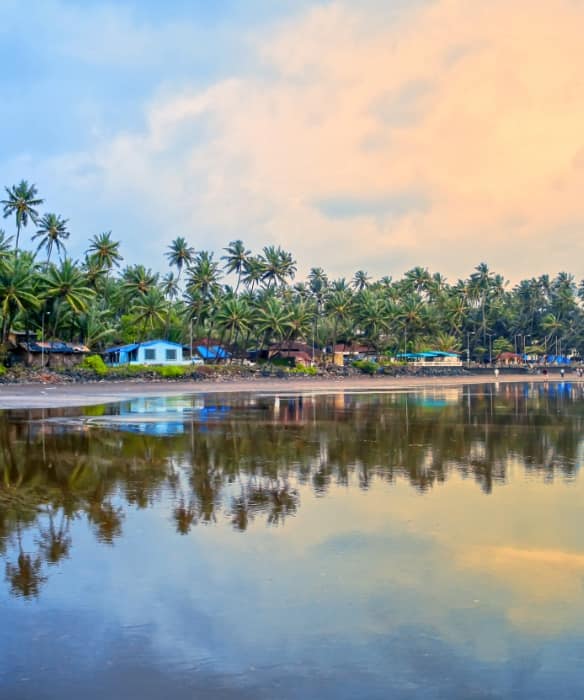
446 343
204 275
52 231
94 270
278 265
411 316
139 280
361 280
5 247
105 250
302 316
234 316
372 315
170 286
22 203
68 284
272 320
339 305
149 310
94 325
18 291
418 280
253 271
318 282
180 254
235 259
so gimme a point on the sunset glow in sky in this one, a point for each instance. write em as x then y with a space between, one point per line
379 134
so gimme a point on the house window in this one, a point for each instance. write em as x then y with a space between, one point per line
171 354
149 353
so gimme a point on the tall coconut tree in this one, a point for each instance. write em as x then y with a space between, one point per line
278 266
204 275
339 306
236 258
22 203
180 254
138 279
253 271
105 250
361 280
52 231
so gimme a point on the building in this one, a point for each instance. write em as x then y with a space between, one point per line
431 358
509 358
55 354
294 351
346 352
150 352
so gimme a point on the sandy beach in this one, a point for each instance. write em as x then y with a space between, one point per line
68 395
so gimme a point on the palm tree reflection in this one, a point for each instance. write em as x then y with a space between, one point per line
252 462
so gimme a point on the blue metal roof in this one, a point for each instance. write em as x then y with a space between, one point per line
427 353
212 353
145 344
123 348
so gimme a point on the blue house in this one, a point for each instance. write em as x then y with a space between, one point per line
151 352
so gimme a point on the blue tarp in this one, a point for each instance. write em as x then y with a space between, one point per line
212 353
558 359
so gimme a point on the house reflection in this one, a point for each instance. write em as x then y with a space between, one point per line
246 457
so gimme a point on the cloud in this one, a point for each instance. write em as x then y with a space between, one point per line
392 205
471 107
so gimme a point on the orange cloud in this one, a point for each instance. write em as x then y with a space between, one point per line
472 110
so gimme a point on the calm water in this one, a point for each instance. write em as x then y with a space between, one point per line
422 545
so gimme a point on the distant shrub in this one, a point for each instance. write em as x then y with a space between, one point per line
2 370
94 363
366 366
310 371
170 371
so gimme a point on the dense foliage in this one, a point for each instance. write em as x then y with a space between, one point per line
247 300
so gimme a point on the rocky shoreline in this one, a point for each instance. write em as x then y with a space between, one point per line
23 375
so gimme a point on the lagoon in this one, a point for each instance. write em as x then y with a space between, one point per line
424 544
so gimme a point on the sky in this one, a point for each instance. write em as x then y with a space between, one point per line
378 135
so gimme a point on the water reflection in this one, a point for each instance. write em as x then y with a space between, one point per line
246 458
424 544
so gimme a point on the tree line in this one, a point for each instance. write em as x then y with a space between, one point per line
248 300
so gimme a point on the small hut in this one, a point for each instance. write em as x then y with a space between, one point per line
509 359
55 354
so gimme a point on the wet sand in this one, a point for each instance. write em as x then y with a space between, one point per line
64 395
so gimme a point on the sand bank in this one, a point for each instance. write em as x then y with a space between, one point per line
64 395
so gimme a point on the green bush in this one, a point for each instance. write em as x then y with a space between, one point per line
2 370
366 366
170 371
310 371
94 363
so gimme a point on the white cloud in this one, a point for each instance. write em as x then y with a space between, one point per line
471 106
